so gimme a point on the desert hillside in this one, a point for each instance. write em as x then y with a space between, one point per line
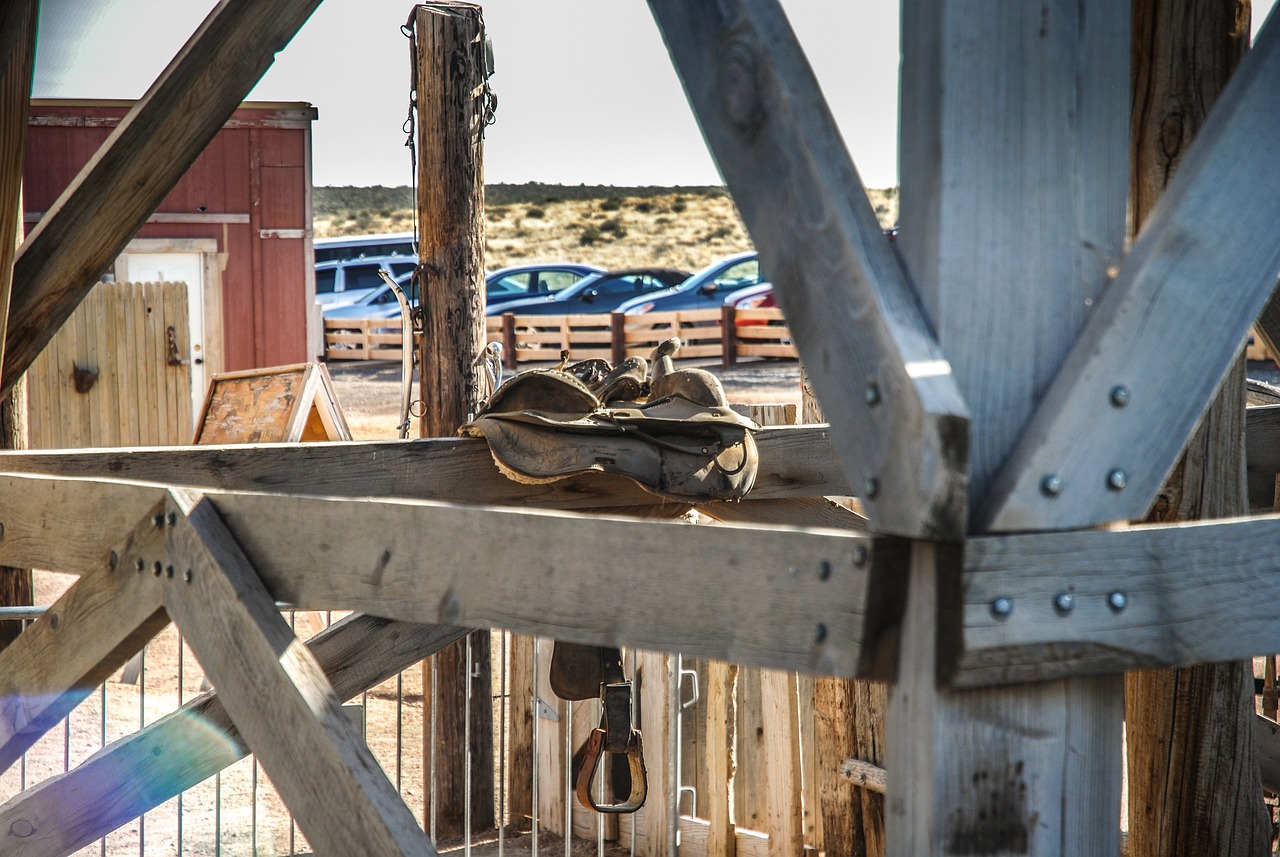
613 227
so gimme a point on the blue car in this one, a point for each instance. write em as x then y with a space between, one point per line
527 281
596 293
706 289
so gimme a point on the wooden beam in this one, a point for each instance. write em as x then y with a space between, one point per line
428 562
1262 455
788 512
795 461
127 778
1114 421
17 61
1151 596
137 166
277 695
99 623
1266 738
901 427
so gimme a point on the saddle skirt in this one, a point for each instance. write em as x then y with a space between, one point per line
670 430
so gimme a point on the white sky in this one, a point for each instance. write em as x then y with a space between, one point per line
586 92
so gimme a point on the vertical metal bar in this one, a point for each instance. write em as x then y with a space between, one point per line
142 724
102 742
635 718
217 814
399 729
673 750
568 776
435 704
534 822
601 796
502 743
181 665
253 809
466 742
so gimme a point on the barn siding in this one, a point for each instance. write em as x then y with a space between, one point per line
255 171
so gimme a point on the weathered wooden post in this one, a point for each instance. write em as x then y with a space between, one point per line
1193 783
450 64
17 55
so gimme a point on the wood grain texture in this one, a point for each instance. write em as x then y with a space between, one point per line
450 77
280 700
782 764
128 777
425 561
1191 277
719 759
1014 147
17 62
99 623
850 725
1262 455
137 166
1182 585
856 319
794 462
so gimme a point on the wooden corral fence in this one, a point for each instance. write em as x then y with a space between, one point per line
117 373
726 333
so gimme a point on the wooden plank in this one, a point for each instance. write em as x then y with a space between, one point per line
795 461
137 166
549 750
1182 588
99 623
68 811
17 62
695 840
783 822
1079 433
791 511
861 333
276 694
718 759
1266 738
522 709
1262 455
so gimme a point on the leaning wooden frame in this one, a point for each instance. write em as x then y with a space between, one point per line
985 569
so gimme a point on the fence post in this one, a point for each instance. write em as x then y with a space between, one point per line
449 60
617 337
509 341
728 336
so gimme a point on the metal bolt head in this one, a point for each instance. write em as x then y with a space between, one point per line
1064 603
872 488
1119 396
140 563
1117 601
861 555
158 520
820 633
187 575
158 568
1001 607
21 828
171 518
1116 480
1051 485
872 394
824 570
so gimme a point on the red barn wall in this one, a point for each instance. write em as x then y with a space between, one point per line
250 190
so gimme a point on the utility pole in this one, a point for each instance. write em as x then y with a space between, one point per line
451 73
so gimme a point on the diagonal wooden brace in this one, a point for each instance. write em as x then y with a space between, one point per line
97 625
899 423
127 778
277 695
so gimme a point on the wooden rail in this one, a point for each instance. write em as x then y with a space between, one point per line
727 333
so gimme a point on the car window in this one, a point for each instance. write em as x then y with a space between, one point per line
554 281
628 285
745 273
398 268
386 296
361 277
326 279
510 284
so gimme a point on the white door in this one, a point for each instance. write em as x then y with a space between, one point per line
180 268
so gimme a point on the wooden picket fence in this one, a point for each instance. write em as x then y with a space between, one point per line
727 333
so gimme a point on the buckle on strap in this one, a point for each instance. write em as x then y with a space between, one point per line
615 736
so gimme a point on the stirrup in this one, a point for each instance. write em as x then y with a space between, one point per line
615 736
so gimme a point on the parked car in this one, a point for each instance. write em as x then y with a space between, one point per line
759 296
596 293
526 281
347 281
378 303
349 247
706 289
